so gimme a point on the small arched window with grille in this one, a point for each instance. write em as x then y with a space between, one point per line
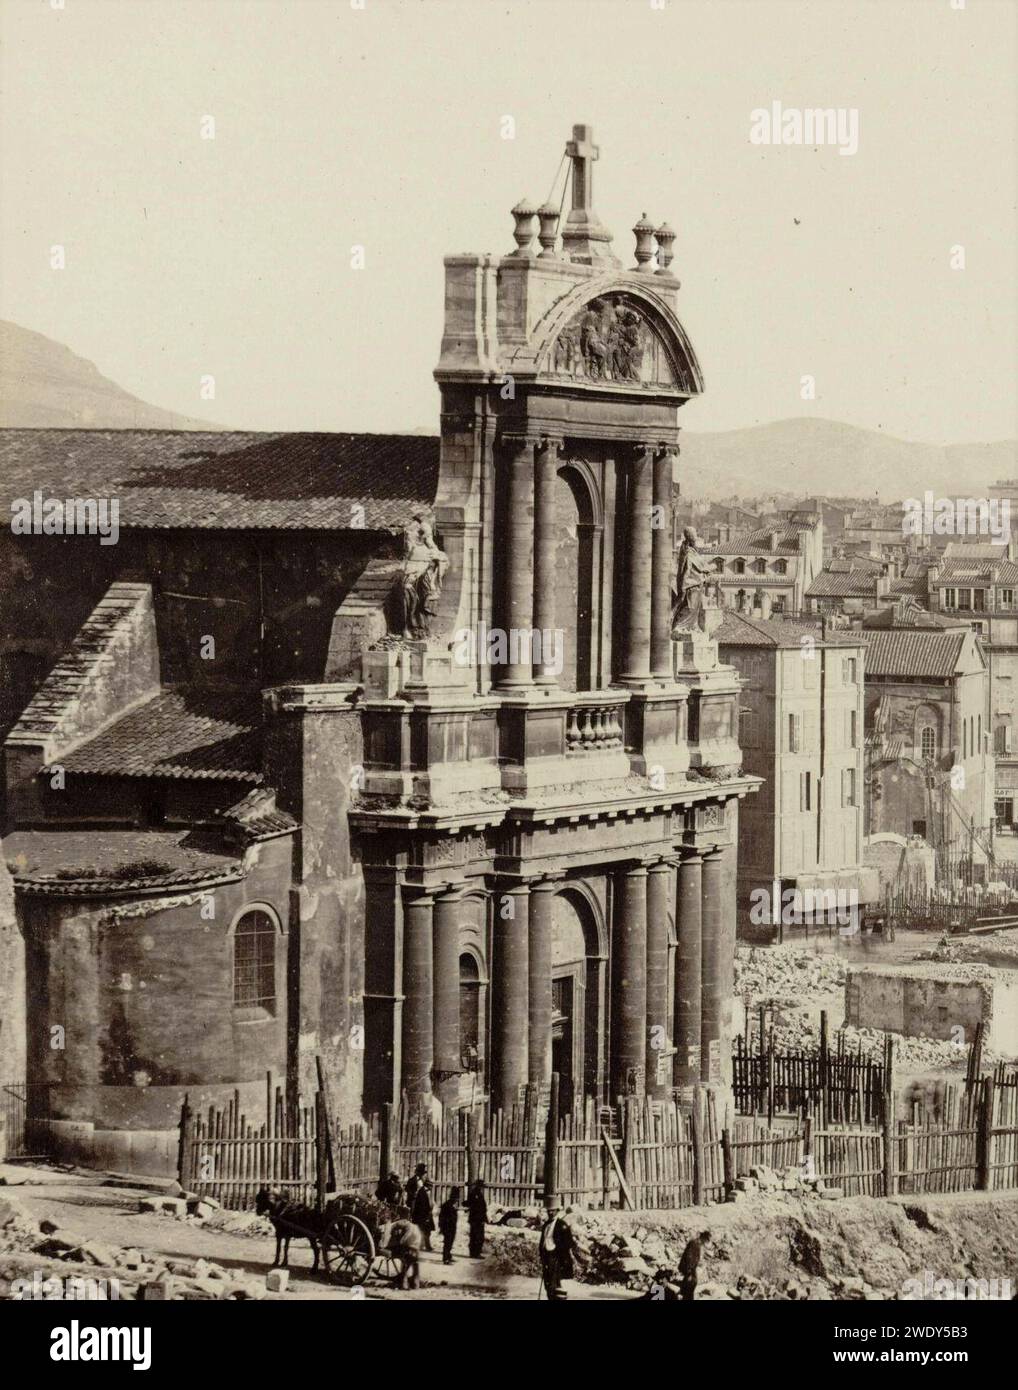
928 742
254 962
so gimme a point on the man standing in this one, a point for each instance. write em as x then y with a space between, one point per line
477 1216
448 1216
418 1199
557 1248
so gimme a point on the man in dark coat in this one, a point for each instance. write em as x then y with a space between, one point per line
448 1217
690 1263
418 1199
477 1216
557 1248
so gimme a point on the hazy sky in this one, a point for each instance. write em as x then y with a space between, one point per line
380 126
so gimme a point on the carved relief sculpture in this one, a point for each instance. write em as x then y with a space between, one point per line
608 340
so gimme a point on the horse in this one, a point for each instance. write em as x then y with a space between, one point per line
289 1220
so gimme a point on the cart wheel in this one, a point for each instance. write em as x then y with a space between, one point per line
348 1250
388 1265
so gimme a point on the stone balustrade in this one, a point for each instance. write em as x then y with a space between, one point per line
594 727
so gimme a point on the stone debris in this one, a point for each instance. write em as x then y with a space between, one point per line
148 1277
786 975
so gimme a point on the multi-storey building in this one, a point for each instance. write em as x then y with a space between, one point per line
981 587
801 730
767 572
930 771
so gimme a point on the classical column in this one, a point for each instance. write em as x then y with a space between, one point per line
545 539
629 981
661 568
636 636
659 892
519 559
688 970
418 989
510 990
447 995
542 906
712 966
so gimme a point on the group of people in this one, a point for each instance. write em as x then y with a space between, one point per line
413 1214
414 1202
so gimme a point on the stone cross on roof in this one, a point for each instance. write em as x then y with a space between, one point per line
583 238
582 151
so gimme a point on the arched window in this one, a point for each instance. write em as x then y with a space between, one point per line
739 566
254 962
928 742
470 1013
781 567
719 564
760 566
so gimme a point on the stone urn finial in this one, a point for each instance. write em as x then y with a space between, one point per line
523 233
644 233
665 237
548 235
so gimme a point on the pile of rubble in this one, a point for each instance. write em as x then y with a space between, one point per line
786 975
911 1054
205 1211
28 1246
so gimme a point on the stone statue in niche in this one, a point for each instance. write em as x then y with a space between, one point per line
424 567
691 581
606 341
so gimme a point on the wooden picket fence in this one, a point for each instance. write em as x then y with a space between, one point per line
13 1114
647 1155
767 1081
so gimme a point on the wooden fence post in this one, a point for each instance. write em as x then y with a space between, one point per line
184 1147
890 1120
473 1121
697 1126
727 1160
984 1149
321 1151
551 1145
385 1143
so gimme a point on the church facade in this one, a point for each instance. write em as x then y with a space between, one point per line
403 757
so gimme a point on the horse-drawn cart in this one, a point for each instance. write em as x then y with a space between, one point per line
349 1235
351 1251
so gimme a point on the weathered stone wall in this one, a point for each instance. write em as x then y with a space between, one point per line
310 756
936 1001
132 1005
205 583
12 993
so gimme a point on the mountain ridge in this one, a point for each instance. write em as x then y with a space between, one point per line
46 385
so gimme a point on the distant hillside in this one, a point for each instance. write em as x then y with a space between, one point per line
805 457
44 385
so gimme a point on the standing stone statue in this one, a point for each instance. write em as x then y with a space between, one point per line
424 568
690 577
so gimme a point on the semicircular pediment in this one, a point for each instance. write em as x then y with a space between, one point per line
619 338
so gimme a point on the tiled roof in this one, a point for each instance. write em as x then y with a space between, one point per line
178 734
256 817
758 542
908 653
853 584
81 863
962 569
228 479
906 613
740 630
